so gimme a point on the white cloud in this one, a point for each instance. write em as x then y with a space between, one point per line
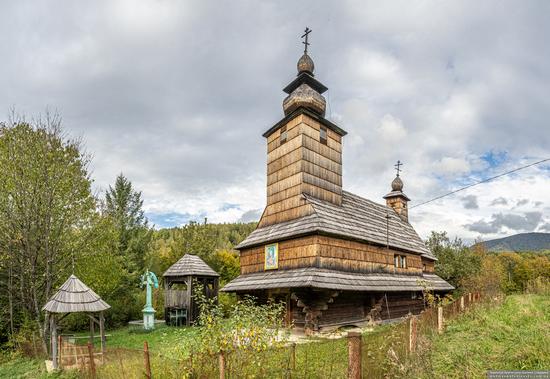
177 94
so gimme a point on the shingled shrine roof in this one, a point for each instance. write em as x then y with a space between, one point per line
357 218
331 279
190 265
75 296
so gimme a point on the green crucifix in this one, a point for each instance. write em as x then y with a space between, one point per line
149 279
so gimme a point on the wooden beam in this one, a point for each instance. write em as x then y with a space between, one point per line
102 333
53 339
189 301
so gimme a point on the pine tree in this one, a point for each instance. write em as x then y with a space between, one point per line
125 207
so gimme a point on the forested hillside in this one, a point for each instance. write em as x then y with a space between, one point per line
520 242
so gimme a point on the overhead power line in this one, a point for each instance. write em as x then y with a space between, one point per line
481 182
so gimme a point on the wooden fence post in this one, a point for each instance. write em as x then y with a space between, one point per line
440 319
292 357
461 303
412 334
354 355
92 361
146 360
222 365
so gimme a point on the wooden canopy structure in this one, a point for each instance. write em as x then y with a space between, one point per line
73 297
188 272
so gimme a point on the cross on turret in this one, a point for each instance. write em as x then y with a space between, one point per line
398 167
305 36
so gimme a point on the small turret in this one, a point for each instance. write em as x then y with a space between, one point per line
396 199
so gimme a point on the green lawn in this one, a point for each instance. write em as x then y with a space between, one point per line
514 336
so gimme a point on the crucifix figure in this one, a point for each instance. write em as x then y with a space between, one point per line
306 34
398 167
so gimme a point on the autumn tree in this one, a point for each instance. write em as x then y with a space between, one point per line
45 200
455 261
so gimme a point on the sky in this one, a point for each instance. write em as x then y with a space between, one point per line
176 95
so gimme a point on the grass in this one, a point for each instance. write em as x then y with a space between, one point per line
27 368
514 336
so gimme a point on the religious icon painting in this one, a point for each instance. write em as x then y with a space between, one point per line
271 257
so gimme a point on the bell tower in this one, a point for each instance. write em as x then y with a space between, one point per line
304 150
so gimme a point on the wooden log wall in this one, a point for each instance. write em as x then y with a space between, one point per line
295 253
302 164
339 254
429 265
330 253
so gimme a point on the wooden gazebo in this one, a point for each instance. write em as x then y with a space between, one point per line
188 272
74 296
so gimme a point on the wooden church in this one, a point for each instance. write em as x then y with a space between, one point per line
335 258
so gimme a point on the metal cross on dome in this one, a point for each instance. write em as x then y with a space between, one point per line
398 167
306 34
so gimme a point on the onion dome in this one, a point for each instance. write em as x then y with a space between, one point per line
307 97
305 64
397 184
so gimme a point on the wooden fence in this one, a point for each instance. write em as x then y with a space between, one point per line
368 354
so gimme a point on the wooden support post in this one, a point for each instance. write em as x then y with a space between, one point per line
412 334
146 361
60 354
189 300
222 364
53 340
461 303
293 356
92 361
354 355
440 319
92 331
469 298
102 334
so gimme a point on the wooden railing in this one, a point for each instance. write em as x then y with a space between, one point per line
175 298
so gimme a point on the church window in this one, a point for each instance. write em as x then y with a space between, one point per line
323 135
283 135
400 261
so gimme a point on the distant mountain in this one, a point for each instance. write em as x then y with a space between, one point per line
520 242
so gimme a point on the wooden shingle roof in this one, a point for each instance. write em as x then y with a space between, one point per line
190 265
358 218
313 277
75 296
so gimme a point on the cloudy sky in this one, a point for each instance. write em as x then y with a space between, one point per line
176 95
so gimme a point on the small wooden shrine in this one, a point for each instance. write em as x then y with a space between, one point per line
74 297
180 282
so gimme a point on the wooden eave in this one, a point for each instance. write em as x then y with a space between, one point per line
317 117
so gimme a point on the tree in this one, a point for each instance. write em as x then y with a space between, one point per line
125 208
455 262
45 198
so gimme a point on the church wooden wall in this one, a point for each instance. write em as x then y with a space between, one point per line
301 165
430 265
295 253
329 253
